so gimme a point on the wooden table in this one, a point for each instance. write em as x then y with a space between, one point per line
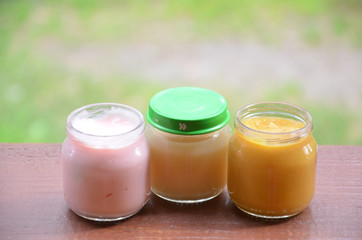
32 205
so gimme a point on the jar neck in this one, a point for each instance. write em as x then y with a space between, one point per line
274 109
91 137
188 138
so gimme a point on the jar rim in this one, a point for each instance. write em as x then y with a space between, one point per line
298 113
97 106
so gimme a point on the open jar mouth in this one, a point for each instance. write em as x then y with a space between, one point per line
274 109
99 111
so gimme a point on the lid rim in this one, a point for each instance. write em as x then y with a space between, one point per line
194 132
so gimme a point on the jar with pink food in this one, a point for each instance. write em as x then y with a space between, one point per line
106 170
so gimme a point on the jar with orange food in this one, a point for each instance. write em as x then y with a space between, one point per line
272 160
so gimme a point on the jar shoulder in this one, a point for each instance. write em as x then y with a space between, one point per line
155 136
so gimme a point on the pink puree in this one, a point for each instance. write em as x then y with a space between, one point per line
105 182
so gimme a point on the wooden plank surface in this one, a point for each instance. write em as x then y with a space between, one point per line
32 205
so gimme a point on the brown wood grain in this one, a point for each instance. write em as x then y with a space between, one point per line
32 205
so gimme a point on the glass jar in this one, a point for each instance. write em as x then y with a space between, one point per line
188 136
106 170
272 160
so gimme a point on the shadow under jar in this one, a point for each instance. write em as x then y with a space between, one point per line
188 136
106 170
272 160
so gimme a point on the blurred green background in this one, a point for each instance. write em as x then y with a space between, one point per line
56 56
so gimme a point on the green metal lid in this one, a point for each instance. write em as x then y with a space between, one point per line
188 111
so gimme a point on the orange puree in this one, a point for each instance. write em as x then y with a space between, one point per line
273 124
271 174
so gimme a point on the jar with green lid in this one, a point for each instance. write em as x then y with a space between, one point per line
188 136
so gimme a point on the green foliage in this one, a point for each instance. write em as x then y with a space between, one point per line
37 93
